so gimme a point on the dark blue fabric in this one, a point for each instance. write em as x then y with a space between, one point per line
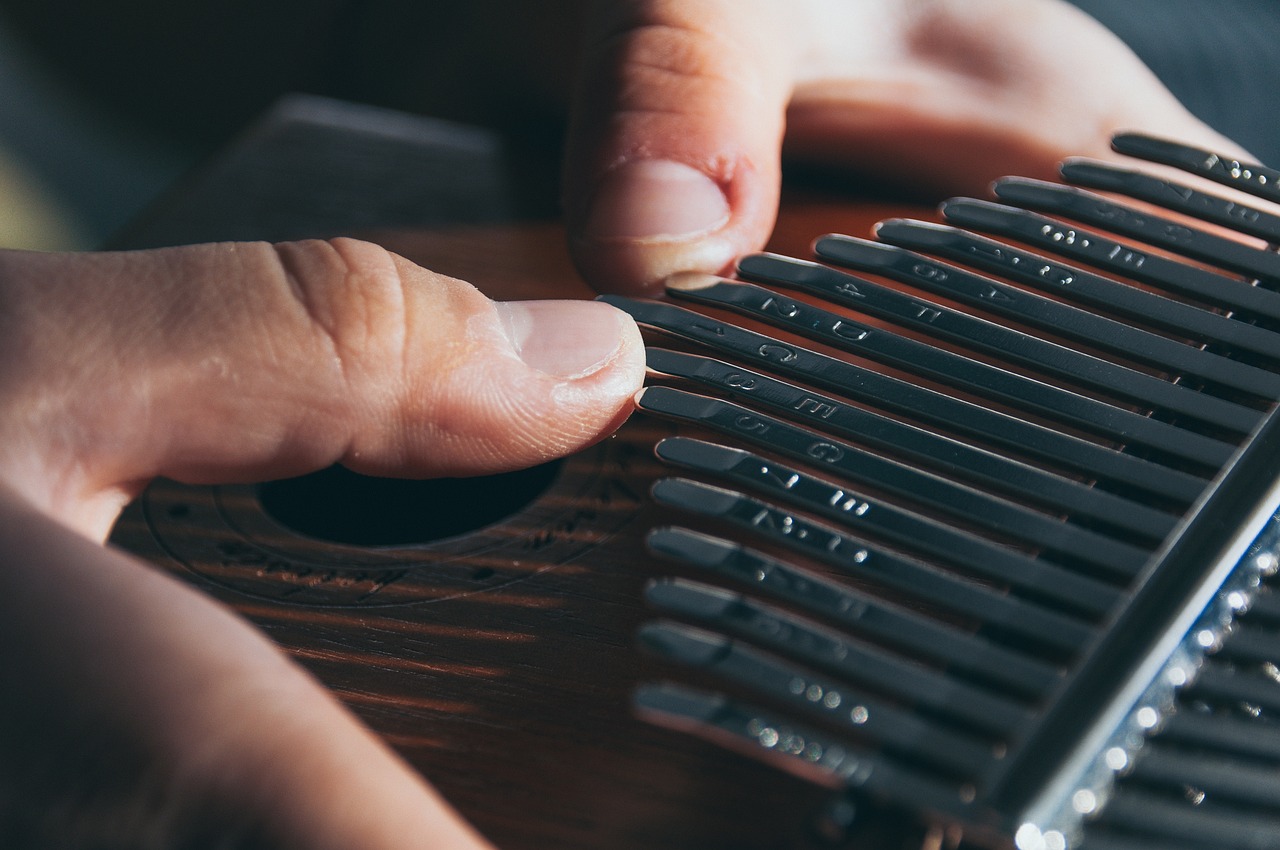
1220 57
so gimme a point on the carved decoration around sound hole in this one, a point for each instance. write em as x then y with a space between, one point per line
224 535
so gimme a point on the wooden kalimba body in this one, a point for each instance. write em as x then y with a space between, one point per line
974 544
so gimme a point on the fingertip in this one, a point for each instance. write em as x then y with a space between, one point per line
655 200
673 155
650 218
608 389
631 268
584 362
511 386
691 281
569 339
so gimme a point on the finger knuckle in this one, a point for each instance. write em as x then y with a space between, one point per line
667 66
353 297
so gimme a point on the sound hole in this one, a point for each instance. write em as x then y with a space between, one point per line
340 506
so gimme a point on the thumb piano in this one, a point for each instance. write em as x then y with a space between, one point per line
961 536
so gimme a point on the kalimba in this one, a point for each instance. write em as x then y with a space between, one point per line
968 528
1043 516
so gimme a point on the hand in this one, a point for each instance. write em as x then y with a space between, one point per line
685 107
133 709
118 682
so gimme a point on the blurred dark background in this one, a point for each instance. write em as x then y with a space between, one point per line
104 104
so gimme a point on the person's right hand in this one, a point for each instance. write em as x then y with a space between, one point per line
684 109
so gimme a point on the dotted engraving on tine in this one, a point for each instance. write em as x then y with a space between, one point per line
783 477
785 309
1125 256
718 330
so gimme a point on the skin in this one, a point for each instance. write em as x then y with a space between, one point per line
119 681
239 362
939 96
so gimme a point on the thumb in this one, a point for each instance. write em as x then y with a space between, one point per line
251 361
674 139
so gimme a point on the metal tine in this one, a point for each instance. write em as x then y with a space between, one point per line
822 542
1179 821
1079 205
1248 177
1062 319
1113 256
1221 684
905 733
1224 733
959 371
1120 382
1253 644
991 469
848 508
973 507
832 600
952 414
1100 690
1265 606
843 505
839 655
763 734
1077 284
1222 778
1243 218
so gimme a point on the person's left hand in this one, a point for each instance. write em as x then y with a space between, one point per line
134 711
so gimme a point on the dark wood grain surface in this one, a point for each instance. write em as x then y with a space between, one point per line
493 645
